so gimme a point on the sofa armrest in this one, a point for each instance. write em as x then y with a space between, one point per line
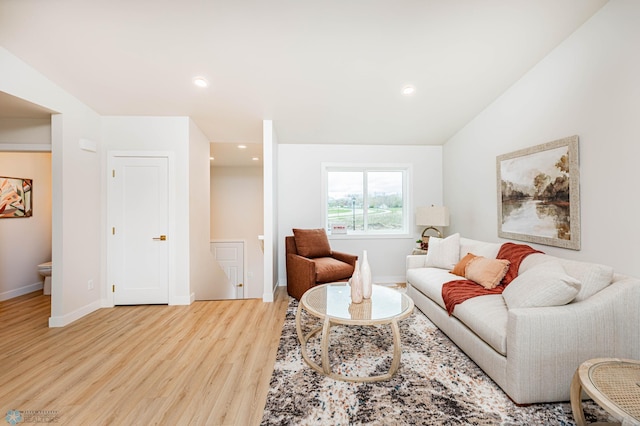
416 261
345 257
546 345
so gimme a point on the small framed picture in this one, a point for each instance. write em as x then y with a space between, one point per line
15 197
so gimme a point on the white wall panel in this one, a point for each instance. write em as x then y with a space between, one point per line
300 199
588 86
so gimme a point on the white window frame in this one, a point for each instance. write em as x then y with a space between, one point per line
407 186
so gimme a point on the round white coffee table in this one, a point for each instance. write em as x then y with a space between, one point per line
331 303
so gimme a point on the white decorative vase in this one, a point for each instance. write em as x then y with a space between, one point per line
365 271
356 285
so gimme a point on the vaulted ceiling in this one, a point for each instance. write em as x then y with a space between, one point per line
325 71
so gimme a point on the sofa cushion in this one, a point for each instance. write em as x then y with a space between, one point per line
487 317
312 242
462 265
593 277
329 269
479 248
443 252
486 272
429 282
547 284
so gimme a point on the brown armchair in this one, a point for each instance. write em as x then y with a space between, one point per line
310 261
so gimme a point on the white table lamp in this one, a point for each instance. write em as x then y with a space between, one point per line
431 217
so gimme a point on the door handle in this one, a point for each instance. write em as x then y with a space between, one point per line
160 238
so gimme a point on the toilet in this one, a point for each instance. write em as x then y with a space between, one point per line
44 269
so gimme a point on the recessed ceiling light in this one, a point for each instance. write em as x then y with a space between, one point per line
255 158
200 82
242 146
408 90
211 158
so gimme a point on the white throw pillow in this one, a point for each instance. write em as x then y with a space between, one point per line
594 277
443 252
479 248
546 284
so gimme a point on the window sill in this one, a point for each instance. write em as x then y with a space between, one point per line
370 236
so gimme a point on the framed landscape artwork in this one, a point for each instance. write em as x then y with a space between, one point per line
538 194
15 197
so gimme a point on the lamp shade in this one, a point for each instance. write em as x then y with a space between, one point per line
432 216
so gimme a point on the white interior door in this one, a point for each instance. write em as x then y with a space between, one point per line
138 249
230 257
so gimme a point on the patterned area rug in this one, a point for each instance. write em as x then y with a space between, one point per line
436 384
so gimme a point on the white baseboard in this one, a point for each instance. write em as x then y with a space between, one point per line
270 297
20 291
181 300
67 319
376 279
390 279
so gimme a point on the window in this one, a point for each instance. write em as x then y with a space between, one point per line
366 199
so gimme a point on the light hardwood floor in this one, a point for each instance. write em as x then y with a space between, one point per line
209 363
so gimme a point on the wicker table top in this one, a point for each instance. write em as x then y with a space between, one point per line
615 385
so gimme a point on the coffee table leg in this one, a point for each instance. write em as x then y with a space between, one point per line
325 368
304 339
576 400
397 350
326 329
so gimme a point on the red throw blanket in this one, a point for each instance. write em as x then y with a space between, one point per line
458 291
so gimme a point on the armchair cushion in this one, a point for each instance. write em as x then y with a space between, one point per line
329 269
312 243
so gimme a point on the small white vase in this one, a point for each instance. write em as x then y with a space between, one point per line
365 271
356 285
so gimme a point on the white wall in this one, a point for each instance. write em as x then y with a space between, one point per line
21 133
299 202
166 135
203 269
76 189
236 214
271 170
588 86
26 242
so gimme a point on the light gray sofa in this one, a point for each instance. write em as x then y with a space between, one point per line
533 352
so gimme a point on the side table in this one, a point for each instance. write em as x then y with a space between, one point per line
612 383
418 251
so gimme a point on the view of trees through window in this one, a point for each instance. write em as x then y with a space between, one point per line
366 200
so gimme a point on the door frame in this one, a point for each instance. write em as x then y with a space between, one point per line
171 240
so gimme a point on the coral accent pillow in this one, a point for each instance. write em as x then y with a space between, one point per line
486 272
443 253
462 265
312 242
